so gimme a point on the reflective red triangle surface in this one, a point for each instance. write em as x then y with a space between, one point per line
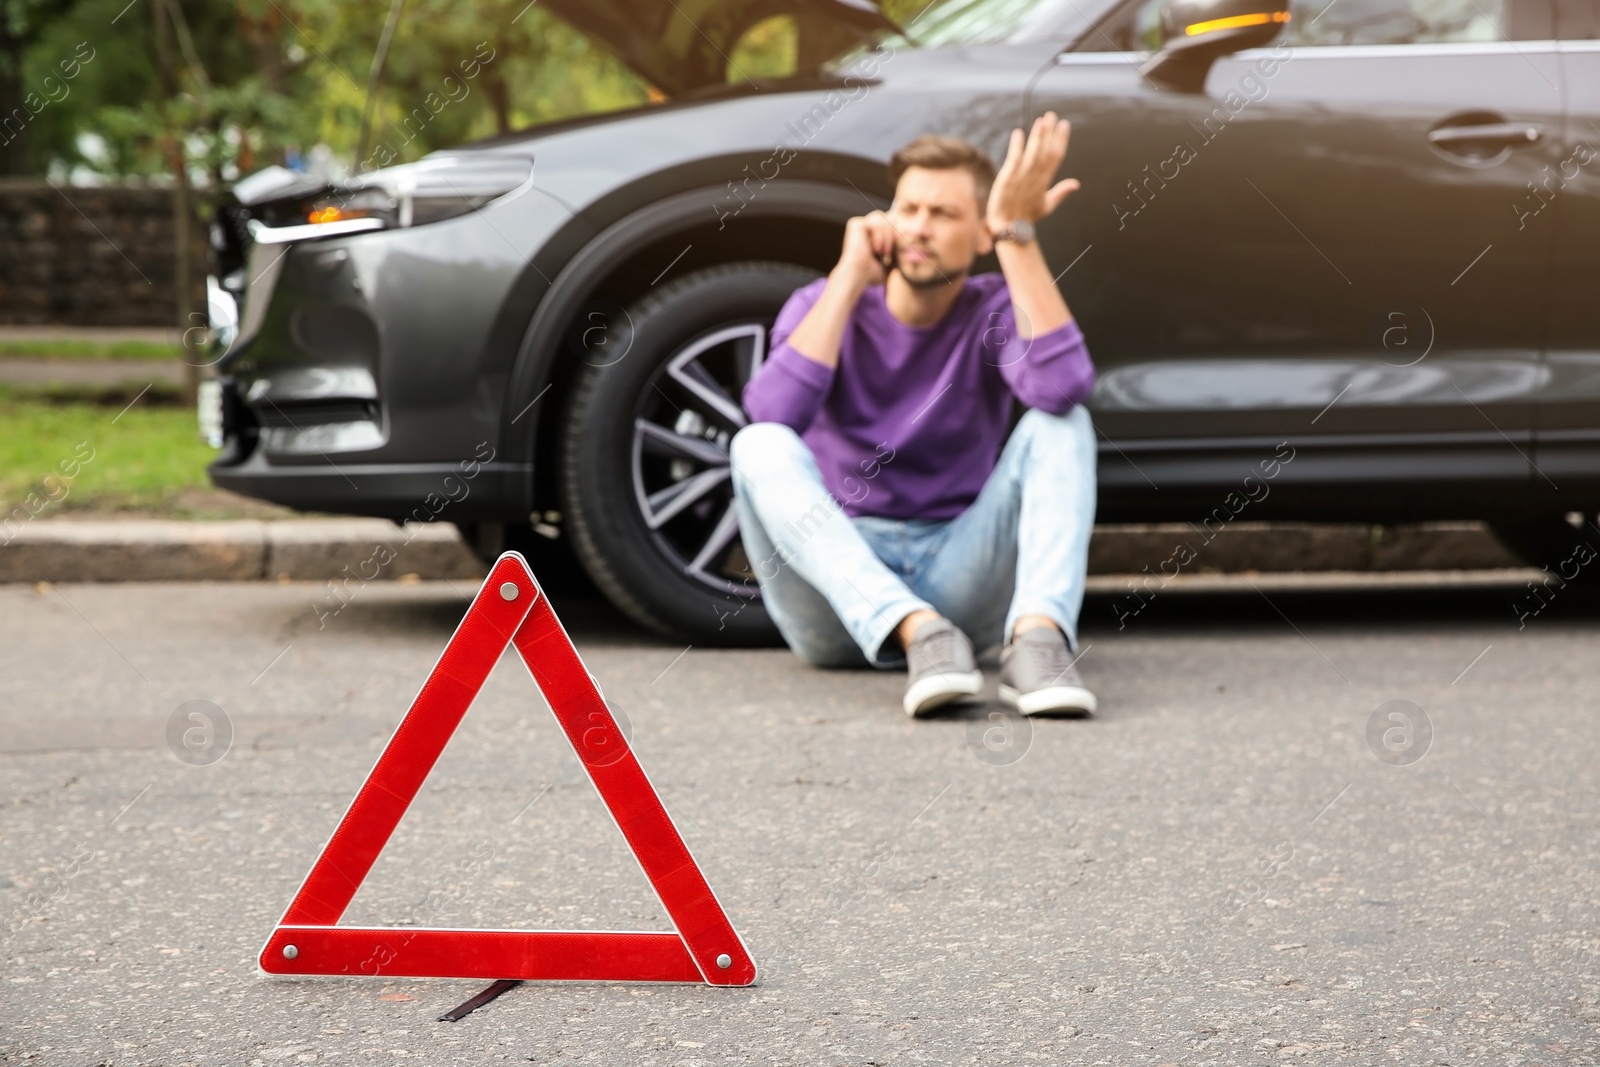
509 609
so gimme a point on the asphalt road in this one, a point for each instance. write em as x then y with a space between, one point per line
1244 859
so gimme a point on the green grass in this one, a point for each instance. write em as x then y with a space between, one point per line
21 349
140 459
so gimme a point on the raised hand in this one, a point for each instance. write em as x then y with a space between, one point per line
1022 189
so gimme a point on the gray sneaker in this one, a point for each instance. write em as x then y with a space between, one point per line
1037 676
940 668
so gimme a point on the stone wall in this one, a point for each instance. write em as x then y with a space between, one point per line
83 256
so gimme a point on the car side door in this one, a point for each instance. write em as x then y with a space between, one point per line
1320 246
1565 200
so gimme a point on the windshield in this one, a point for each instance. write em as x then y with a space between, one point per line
946 23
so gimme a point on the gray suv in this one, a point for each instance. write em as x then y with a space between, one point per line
1355 245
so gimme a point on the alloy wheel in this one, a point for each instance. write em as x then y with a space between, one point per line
682 482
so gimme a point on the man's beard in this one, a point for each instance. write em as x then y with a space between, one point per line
938 279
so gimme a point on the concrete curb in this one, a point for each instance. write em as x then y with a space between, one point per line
322 549
73 550
69 372
151 550
1180 547
1127 585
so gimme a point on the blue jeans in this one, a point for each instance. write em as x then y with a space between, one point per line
837 587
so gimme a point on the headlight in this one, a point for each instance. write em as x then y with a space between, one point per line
430 190
360 204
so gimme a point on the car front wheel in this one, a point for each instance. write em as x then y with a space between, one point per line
646 484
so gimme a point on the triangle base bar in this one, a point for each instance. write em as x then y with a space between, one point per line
543 955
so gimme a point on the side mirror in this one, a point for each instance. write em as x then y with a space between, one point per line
1199 31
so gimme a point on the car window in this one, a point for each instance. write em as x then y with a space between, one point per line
953 23
1346 22
769 49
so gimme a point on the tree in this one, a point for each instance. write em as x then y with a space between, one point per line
21 23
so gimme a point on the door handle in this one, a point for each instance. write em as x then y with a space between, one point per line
1503 134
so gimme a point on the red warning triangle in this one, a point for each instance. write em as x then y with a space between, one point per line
509 609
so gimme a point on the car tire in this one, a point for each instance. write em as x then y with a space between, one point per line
644 478
1554 542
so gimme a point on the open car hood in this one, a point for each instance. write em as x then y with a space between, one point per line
683 45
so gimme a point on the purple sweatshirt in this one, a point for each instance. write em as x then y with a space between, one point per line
910 423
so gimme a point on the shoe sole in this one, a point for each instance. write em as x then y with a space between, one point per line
939 690
1056 700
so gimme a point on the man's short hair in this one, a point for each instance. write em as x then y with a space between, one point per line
935 152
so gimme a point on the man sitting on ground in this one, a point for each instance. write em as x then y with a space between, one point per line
882 527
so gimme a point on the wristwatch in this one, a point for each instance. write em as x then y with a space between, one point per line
1020 231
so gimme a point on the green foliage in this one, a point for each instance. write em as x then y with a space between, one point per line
477 74
239 95
21 23
111 73
254 82
261 81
